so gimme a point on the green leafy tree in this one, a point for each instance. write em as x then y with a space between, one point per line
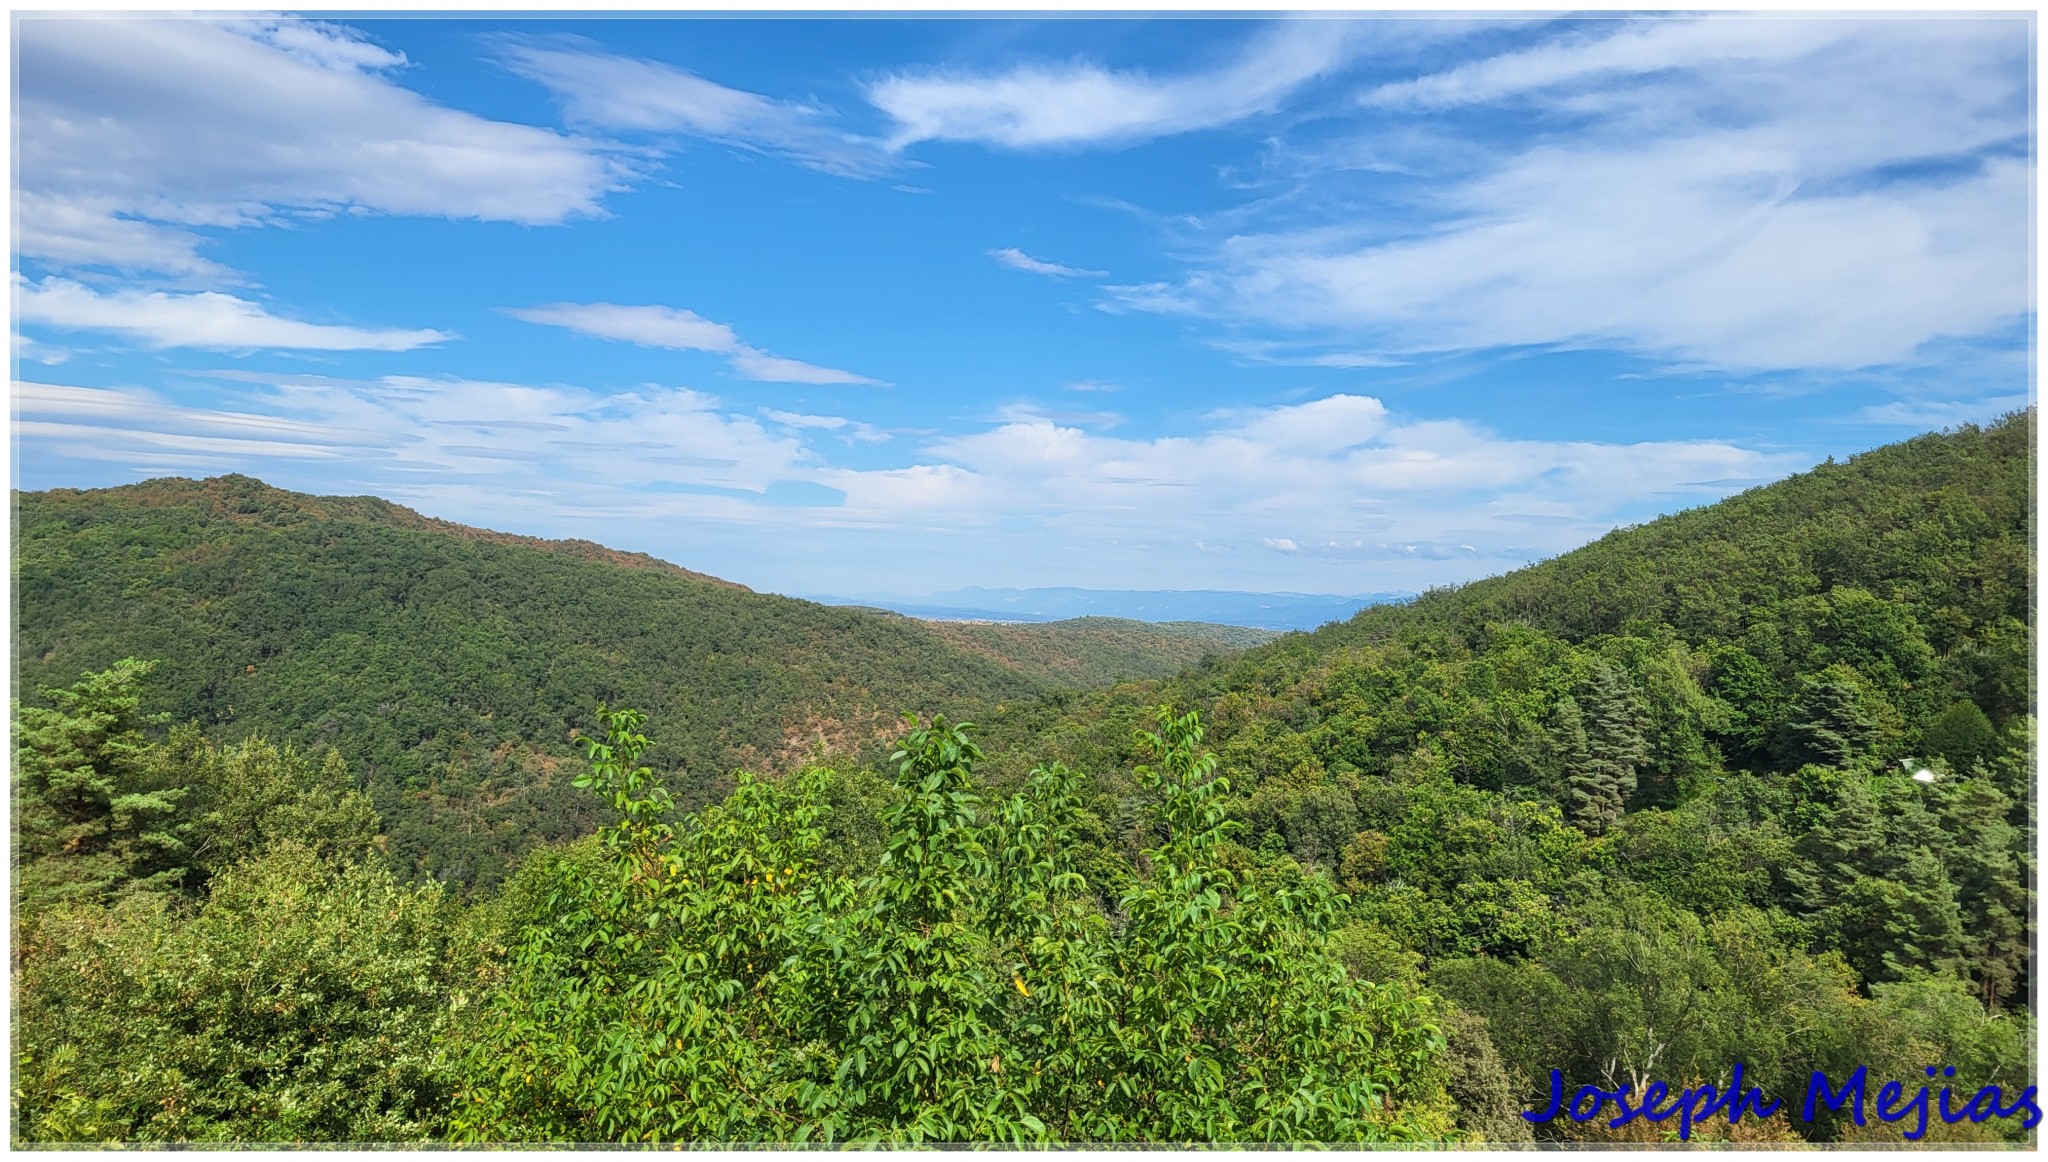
704 980
1746 687
303 1002
1962 735
246 797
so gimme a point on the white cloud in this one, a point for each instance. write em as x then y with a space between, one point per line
775 369
1016 259
1927 413
81 231
1745 193
1335 494
648 326
800 420
132 129
1274 354
682 330
605 91
207 319
1187 298
463 432
111 424
44 353
1634 50
1650 254
1081 103
1338 477
853 431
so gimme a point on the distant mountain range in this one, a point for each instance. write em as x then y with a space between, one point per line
1274 611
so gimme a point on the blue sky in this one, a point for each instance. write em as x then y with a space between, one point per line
901 305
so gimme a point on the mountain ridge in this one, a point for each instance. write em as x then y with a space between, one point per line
455 667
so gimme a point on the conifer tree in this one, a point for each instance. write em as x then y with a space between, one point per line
1568 742
1599 786
1991 862
87 793
1828 724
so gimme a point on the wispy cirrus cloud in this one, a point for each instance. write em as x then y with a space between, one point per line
682 330
1016 259
1940 413
1631 50
404 429
1081 103
1749 193
135 425
852 431
69 232
203 319
605 91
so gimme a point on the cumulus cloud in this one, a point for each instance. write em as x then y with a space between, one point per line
133 130
206 319
1341 475
1082 103
1748 193
605 91
681 330
1016 259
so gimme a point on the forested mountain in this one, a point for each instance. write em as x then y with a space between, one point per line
1085 652
1684 753
1752 785
454 666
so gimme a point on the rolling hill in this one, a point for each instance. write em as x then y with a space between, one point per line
454 666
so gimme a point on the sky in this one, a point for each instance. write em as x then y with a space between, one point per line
895 306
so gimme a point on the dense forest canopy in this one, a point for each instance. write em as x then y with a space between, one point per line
455 666
1752 785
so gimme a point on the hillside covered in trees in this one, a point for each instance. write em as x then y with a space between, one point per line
455 666
1084 652
1752 785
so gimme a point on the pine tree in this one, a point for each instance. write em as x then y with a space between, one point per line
1598 785
94 815
1990 863
1568 741
1828 725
